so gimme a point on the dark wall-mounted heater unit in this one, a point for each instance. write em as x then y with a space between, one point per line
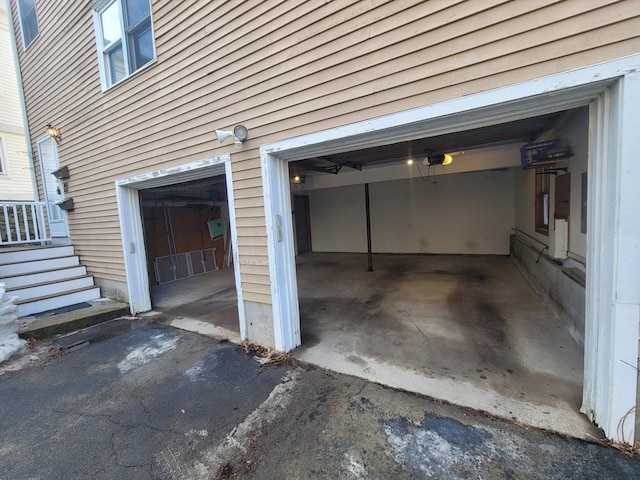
544 153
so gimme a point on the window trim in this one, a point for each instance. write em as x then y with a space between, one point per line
124 41
4 161
25 46
543 178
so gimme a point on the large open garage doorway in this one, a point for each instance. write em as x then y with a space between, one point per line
440 304
182 261
499 319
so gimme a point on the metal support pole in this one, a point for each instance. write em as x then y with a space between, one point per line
369 254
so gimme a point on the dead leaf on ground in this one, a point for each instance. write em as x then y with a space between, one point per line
226 472
53 351
31 343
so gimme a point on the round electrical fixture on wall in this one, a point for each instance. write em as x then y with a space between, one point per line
241 132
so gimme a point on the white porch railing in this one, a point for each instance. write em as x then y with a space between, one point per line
22 223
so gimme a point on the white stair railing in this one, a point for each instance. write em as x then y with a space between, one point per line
23 223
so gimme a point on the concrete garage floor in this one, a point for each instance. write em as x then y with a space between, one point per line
206 303
465 329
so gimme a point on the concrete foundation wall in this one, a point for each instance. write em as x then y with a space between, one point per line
466 213
113 289
565 296
259 323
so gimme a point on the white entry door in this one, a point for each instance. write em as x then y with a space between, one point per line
53 189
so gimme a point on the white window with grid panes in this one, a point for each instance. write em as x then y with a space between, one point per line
28 21
124 37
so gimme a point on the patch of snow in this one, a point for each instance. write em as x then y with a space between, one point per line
10 343
195 373
355 468
158 345
422 448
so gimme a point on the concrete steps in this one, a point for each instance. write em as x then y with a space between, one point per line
45 278
27 279
37 266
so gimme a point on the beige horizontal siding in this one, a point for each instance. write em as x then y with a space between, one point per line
10 110
250 221
226 100
255 269
283 69
258 297
15 179
256 260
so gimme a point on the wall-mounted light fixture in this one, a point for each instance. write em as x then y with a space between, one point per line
54 133
297 179
240 133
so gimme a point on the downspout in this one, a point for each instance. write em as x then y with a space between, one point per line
23 106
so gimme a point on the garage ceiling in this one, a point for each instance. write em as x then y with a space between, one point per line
525 131
191 191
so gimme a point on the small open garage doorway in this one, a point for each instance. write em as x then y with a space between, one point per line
179 238
189 251
414 276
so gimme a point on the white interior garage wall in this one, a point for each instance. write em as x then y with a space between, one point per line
338 222
574 132
465 213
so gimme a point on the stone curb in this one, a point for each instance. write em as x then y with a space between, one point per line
47 331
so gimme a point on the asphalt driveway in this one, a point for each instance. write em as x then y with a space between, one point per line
128 399
134 399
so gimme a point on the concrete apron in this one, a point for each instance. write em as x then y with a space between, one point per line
206 304
464 329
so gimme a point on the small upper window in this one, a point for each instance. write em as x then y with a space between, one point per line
124 38
28 21
2 157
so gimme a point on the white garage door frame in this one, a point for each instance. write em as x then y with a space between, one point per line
612 90
130 214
